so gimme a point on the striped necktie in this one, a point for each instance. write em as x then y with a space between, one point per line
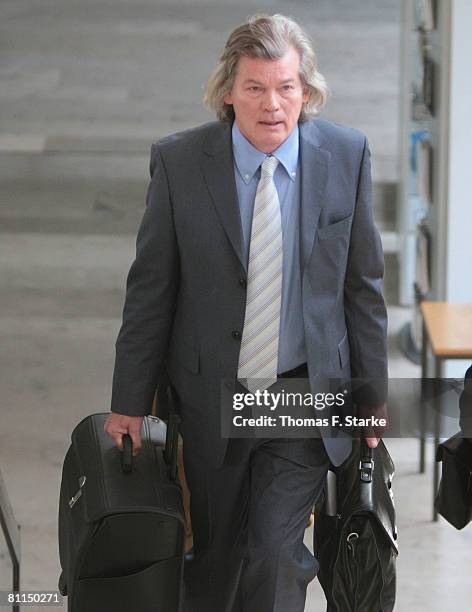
260 340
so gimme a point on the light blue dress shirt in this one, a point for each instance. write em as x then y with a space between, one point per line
247 162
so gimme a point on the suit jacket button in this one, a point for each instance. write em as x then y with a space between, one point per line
236 335
243 282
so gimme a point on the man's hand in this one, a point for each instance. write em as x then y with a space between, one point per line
117 425
373 434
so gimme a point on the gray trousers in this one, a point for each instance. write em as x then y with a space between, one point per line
249 517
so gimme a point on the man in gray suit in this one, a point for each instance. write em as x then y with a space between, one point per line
257 259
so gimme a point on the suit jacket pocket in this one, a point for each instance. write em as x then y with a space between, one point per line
328 232
343 350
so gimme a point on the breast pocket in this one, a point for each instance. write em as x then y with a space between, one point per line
334 230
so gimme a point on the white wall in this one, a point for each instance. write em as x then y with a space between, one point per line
459 235
458 265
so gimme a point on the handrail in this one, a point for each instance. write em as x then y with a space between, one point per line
11 531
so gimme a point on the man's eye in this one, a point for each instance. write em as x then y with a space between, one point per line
287 87
254 88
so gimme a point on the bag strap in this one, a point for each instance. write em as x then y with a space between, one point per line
366 463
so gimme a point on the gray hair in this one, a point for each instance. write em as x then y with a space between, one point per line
267 37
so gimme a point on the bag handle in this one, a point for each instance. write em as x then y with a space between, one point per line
170 450
127 454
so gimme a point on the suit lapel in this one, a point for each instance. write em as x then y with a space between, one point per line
218 172
314 162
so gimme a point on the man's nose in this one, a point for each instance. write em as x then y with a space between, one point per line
271 101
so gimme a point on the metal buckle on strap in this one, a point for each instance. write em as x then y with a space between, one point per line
366 468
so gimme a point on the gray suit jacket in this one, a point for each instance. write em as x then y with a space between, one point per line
185 295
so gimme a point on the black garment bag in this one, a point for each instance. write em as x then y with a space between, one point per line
355 537
121 521
454 498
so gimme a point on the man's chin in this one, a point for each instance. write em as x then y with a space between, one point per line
271 141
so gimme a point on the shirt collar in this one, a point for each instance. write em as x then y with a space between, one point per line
248 158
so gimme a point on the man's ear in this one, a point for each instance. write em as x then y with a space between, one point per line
306 95
228 98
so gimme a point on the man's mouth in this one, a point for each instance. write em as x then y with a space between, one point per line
271 123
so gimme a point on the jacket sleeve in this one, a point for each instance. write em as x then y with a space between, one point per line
151 294
365 311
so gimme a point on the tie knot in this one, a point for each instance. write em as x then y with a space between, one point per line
269 165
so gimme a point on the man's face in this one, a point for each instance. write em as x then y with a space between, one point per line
267 97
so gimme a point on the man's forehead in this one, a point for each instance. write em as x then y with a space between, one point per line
254 68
